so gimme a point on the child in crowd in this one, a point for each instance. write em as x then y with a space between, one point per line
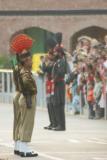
90 100
76 102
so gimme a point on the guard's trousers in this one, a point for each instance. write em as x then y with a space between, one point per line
17 116
51 111
59 103
60 115
27 118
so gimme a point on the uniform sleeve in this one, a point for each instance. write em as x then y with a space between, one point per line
47 67
29 83
15 78
59 70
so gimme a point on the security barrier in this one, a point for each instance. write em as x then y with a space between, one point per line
7 88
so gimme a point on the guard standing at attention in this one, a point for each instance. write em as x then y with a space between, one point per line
58 74
47 67
16 109
27 101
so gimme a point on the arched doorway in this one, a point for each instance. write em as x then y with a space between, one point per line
40 46
39 36
93 32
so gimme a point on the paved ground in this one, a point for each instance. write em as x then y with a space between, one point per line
83 140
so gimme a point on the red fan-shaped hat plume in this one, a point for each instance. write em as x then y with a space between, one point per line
20 42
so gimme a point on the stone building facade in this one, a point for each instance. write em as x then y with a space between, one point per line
68 24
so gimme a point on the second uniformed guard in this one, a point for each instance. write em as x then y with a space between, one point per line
47 67
59 71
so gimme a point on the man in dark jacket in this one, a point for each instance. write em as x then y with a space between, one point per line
47 67
58 74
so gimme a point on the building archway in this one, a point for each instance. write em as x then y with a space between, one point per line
39 36
40 46
93 32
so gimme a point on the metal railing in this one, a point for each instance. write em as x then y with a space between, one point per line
7 88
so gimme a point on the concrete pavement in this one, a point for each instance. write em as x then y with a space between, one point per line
84 139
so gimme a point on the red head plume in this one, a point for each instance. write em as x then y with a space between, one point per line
19 43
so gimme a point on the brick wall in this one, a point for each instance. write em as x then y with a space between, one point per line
51 4
68 25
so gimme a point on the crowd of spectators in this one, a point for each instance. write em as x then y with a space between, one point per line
87 83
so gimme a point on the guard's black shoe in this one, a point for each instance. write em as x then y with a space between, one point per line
48 127
59 129
29 154
16 152
52 127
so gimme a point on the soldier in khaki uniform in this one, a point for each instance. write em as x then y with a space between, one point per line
16 109
25 99
27 103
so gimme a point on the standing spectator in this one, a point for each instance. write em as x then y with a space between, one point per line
97 94
82 86
86 43
75 92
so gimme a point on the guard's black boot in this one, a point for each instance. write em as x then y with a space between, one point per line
16 152
48 127
59 128
29 154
